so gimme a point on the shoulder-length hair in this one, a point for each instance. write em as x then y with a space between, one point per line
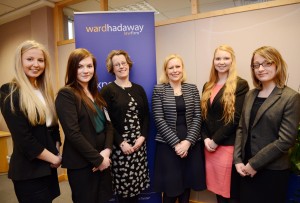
71 78
109 64
228 98
164 76
29 103
273 56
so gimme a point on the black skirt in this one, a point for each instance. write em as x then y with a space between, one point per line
173 174
43 189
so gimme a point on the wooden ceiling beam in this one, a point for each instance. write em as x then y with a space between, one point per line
194 7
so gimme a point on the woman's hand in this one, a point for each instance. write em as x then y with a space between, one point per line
249 170
240 168
106 152
182 148
126 148
104 165
245 170
57 162
138 143
210 145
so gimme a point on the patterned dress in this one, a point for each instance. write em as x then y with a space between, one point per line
130 171
128 110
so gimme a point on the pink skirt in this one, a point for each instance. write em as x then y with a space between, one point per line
218 166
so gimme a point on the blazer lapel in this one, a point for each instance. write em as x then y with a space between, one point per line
91 114
217 97
273 97
248 106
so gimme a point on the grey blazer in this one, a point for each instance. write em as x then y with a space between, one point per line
273 132
165 115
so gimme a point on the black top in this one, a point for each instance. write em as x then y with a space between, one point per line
181 127
117 100
256 105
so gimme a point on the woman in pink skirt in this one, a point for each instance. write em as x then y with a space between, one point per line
222 100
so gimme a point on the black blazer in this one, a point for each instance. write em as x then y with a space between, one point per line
214 126
28 141
82 143
273 132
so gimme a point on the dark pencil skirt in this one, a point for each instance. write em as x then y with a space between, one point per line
43 189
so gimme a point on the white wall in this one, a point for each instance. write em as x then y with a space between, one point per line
196 40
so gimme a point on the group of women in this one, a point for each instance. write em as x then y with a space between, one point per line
232 141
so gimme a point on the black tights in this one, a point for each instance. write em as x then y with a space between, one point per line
134 199
183 198
221 199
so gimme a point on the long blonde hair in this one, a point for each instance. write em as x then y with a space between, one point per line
228 98
29 102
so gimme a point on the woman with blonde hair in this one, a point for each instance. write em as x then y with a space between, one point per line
27 105
179 161
221 104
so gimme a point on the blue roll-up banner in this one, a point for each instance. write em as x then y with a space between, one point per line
101 32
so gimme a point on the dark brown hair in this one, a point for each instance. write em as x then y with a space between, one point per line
71 78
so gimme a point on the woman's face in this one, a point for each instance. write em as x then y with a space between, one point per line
33 63
222 61
120 66
85 71
174 70
264 70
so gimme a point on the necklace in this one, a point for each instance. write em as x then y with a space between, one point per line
178 92
126 84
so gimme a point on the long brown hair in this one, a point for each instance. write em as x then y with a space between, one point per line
71 78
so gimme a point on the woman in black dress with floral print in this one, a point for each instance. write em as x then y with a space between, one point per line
129 112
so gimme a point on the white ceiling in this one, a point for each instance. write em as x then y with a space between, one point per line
13 9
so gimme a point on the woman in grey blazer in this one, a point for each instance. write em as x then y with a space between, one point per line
267 130
179 152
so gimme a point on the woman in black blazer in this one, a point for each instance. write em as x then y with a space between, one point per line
222 101
27 105
179 157
267 130
88 131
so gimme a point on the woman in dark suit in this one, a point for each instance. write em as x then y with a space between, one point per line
88 131
27 105
267 130
179 157
222 101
